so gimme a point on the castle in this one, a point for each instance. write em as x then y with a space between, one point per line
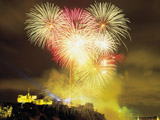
32 99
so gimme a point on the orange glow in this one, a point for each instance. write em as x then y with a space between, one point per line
102 25
50 26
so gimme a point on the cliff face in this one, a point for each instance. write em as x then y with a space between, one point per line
56 111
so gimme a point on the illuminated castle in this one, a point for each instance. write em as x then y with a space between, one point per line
32 99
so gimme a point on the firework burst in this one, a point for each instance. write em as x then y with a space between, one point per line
73 48
97 71
44 23
77 38
110 20
104 45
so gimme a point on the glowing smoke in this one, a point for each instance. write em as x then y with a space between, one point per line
105 99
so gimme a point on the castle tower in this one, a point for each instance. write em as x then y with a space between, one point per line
26 98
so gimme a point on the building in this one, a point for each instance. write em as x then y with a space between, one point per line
26 98
146 118
32 99
42 102
5 111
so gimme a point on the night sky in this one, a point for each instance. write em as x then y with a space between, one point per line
141 69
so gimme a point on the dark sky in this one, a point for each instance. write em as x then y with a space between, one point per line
141 69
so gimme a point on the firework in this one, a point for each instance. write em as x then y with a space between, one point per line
77 38
97 71
110 20
86 41
104 45
73 48
44 23
79 19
